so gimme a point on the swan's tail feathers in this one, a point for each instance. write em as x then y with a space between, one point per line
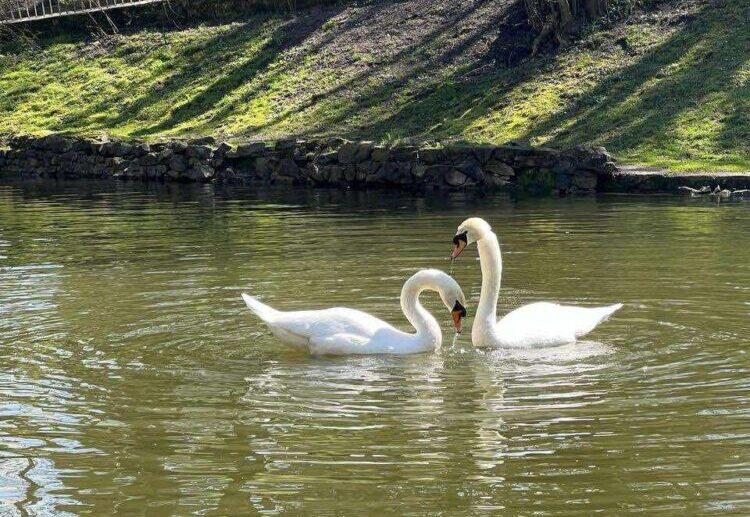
610 310
260 309
595 316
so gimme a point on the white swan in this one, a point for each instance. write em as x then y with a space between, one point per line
537 324
342 331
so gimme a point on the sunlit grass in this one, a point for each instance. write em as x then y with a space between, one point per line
675 96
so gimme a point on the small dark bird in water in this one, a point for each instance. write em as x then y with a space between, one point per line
697 192
716 192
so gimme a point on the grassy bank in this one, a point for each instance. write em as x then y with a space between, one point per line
668 88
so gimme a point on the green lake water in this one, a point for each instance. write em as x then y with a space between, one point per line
133 380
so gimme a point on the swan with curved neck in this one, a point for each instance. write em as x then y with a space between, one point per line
342 331
536 324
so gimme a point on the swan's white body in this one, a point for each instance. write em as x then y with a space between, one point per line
534 325
342 331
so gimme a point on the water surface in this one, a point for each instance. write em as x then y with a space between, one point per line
134 381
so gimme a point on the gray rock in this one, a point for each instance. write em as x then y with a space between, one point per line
564 165
287 167
591 157
484 153
177 146
155 171
247 150
264 166
148 159
165 155
314 173
435 174
362 171
471 169
563 181
56 143
173 174
274 178
227 175
198 151
457 153
203 140
141 149
223 148
404 153
80 145
350 173
364 151
491 180
508 153
110 149
355 152
455 178
201 172
333 142
541 157
285 148
418 172
431 156
584 180
335 173
347 153
178 163
398 173
369 168
380 154
328 157
134 171
498 168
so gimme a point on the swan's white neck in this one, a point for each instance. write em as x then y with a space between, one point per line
425 324
492 267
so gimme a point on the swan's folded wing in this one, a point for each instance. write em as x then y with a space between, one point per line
550 324
338 344
329 322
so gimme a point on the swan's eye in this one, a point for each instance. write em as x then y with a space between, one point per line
460 237
460 309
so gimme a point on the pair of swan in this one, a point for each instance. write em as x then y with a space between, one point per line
341 331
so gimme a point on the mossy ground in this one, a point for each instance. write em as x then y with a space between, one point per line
669 88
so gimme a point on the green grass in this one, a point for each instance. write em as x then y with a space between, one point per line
676 95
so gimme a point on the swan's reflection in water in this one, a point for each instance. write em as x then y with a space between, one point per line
436 432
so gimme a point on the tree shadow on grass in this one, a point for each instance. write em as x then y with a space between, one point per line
216 102
223 57
210 58
301 36
355 94
644 101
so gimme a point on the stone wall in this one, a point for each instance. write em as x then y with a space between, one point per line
326 162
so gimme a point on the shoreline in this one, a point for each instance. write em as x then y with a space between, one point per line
337 162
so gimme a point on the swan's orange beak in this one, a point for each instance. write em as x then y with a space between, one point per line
458 312
459 243
457 320
456 249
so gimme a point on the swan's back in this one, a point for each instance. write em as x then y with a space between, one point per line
549 324
337 320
